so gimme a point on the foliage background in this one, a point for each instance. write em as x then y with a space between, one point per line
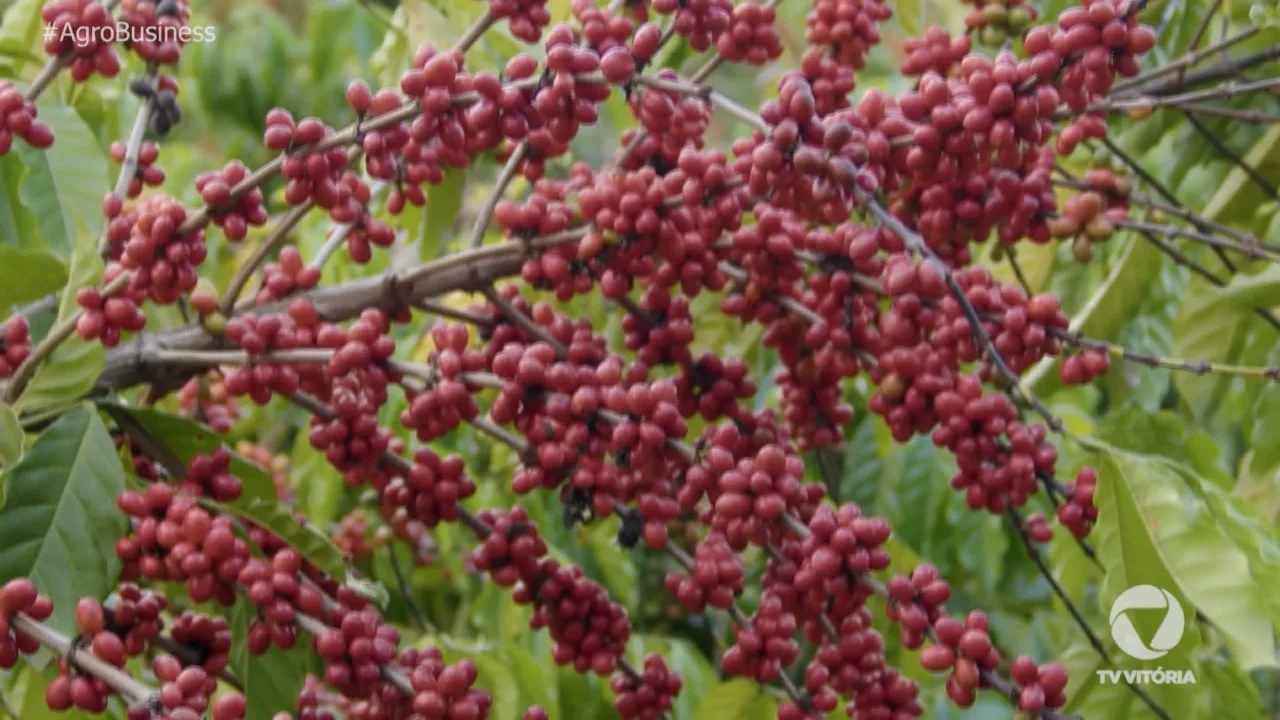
1191 468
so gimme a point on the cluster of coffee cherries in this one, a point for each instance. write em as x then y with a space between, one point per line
767 645
965 649
935 50
672 121
842 545
259 334
18 117
352 535
184 691
428 492
1081 368
1041 686
1087 219
105 317
135 616
355 649
589 630
210 475
1079 513
994 21
155 28
161 259
442 690
352 439
17 345
749 496
19 596
1036 528
173 539
80 32
650 695
279 592
313 175
447 402
147 172
235 217
716 579
917 602
751 37
603 29
513 548
288 274
206 397
846 29
850 662
86 692
701 23
712 387
208 636
525 18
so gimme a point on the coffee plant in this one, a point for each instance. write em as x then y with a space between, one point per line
702 359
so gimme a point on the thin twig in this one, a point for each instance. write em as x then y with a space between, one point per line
524 322
495 196
1180 65
403 587
264 250
133 148
917 246
132 691
56 336
1138 199
1018 525
1222 149
46 76
1214 73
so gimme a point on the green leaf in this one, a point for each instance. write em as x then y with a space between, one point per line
10 437
28 276
319 484
1165 434
1259 488
63 187
1108 309
1207 328
537 681
271 680
616 567
1239 196
697 674
1249 291
444 203
1251 533
1156 528
13 217
21 27
495 677
1034 259
73 368
59 523
312 544
370 590
908 13
1227 692
730 700
762 707
186 438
